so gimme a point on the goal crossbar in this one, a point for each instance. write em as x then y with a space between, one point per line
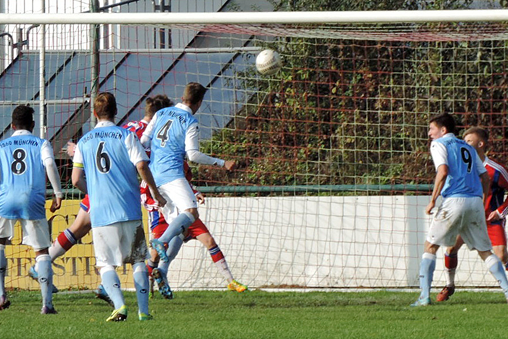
497 15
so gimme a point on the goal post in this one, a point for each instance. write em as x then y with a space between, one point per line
333 167
268 18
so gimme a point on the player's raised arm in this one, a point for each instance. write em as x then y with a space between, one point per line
194 155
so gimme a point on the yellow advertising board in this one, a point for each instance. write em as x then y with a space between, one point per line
75 269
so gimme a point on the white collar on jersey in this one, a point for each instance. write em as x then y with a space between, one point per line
21 132
184 107
447 135
104 123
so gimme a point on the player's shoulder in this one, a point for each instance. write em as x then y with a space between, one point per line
438 143
495 165
135 125
175 113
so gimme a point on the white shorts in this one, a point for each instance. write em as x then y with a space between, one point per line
119 243
35 232
464 216
177 193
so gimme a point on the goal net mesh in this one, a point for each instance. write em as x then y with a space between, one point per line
333 165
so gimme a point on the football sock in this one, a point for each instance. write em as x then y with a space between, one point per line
220 262
62 244
142 286
45 272
163 269
111 284
495 267
150 265
427 267
173 248
3 268
177 226
451 262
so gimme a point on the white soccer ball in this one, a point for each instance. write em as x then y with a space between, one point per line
268 62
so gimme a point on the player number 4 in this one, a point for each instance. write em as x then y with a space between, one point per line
163 134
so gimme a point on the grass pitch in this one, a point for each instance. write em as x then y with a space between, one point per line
259 314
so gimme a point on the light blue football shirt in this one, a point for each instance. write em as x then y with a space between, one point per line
108 155
464 167
23 177
168 143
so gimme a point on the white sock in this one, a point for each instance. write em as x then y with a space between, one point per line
222 265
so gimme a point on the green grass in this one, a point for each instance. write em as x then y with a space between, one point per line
258 314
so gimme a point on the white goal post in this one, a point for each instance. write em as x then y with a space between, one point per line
471 15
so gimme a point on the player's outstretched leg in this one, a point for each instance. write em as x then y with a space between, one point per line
164 288
176 227
62 244
220 261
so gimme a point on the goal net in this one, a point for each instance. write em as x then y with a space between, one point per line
333 165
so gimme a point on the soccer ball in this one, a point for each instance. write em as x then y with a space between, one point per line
268 62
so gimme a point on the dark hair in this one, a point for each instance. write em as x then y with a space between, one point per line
23 117
480 132
105 105
153 104
444 120
193 93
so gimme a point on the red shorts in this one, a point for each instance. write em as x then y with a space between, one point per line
85 203
197 228
496 234
158 225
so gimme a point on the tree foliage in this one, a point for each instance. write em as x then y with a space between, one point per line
355 112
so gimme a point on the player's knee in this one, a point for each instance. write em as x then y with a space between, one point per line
194 212
430 248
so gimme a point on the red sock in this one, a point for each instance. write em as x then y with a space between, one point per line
216 253
66 239
451 260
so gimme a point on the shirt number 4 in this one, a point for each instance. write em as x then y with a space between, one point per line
163 134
